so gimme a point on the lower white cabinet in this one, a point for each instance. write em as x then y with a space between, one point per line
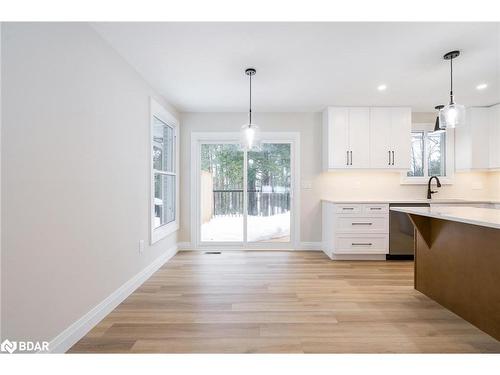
355 231
361 244
361 224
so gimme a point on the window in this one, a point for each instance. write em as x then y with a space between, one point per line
164 160
431 155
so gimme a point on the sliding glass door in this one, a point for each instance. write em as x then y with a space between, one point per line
268 193
245 198
221 193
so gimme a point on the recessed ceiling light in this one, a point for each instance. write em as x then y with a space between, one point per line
481 86
381 87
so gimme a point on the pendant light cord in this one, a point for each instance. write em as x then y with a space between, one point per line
250 110
451 80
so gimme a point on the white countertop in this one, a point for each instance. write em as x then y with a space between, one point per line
422 200
486 217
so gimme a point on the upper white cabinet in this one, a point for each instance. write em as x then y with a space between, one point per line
390 137
495 137
477 142
366 138
346 144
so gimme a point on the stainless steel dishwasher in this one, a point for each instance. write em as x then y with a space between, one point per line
401 232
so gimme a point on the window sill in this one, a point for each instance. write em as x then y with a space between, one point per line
164 231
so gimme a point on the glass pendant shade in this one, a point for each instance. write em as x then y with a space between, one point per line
451 116
250 137
437 128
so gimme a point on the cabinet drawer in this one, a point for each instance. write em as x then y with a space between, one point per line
362 224
375 208
361 244
348 208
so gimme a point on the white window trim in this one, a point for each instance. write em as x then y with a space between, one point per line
450 158
158 111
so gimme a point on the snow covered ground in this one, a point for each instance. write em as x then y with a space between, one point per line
260 228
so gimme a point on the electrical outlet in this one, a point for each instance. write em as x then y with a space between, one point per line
141 246
307 185
477 185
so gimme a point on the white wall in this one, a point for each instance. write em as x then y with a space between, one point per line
385 185
307 124
0 182
494 185
334 185
75 176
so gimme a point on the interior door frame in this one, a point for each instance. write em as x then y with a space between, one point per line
199 138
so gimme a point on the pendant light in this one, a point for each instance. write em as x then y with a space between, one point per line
250 133
453 114
437 128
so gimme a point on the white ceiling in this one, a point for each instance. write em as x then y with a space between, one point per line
307 66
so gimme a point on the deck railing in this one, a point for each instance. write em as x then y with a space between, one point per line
230 202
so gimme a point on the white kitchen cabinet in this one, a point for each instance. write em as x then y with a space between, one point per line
355 231
362 138
390 137
345 138
472 140
337 130
401 137
494 137
359 143
380 138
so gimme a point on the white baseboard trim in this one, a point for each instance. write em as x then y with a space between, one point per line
313 246
185 246
66 339
304 246
357 257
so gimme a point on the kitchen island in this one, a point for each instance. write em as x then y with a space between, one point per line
457 261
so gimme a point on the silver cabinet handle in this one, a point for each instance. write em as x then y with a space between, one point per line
389 157
347 158
348 208
351 157
393 158
361 244
362 223
375 208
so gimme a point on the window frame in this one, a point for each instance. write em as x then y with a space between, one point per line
157 111
449 157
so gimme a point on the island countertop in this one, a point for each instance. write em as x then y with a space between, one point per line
486 217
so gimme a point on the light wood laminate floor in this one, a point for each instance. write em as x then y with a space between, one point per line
281 302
